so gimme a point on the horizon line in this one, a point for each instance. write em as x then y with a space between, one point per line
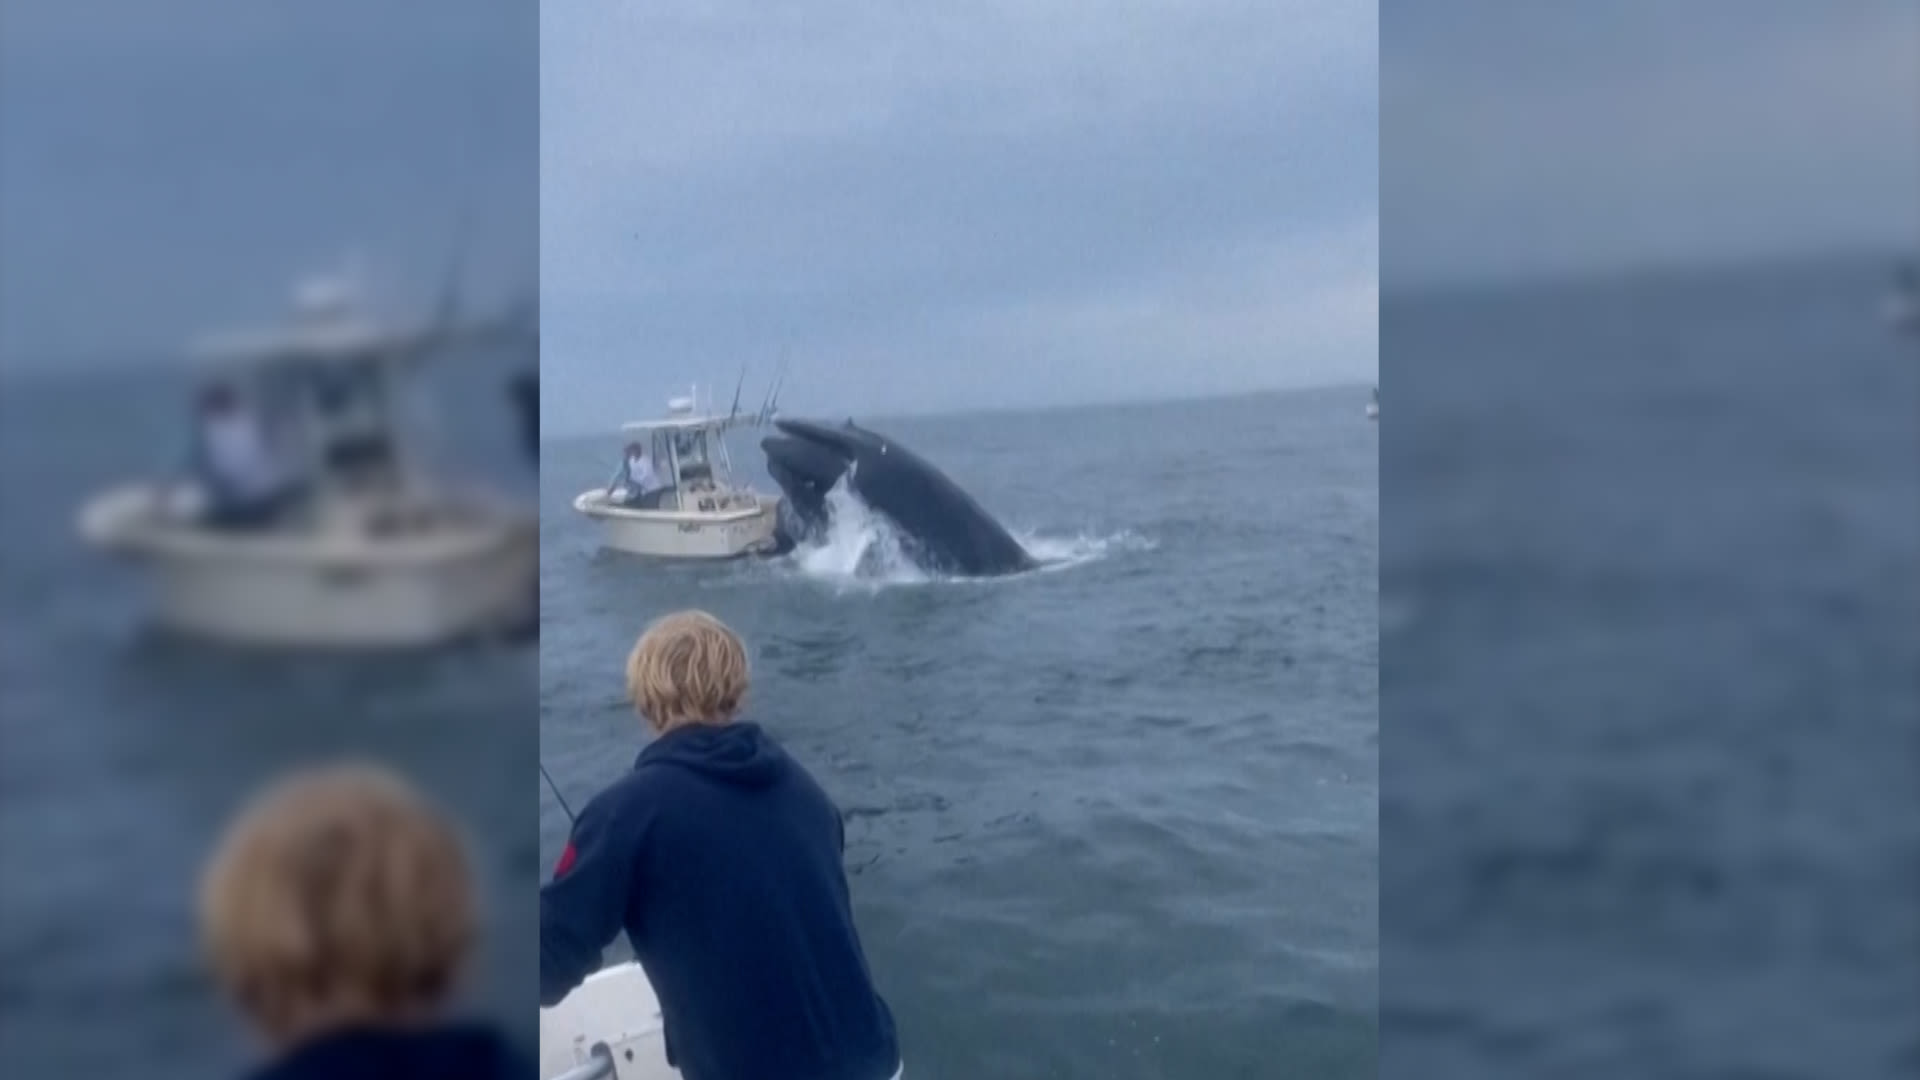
1645 268
1093 405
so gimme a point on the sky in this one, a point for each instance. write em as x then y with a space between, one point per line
173 168
1524 138
928 208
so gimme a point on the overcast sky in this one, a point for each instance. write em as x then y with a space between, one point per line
1523 137
167 168
930 207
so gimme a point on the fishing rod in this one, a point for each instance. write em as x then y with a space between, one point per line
737 387
555 788
770 405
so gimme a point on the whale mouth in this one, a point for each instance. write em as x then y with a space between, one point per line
803 461
842 440
807 460
818 453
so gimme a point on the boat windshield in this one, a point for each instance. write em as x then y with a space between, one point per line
690 454
337 411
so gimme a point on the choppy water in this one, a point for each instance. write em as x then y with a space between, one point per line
1115 818
122 754
1651 602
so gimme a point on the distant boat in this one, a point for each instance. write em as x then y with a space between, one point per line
1373 407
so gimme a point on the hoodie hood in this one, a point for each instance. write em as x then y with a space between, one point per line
738 753
462 1052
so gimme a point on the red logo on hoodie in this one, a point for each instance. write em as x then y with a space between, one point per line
566 861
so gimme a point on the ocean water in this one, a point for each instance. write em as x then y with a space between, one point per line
1115 818
123 752
1650 805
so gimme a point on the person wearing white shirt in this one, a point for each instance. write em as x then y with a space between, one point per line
245 485
638 484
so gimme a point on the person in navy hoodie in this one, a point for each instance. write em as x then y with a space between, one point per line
721 859
338 914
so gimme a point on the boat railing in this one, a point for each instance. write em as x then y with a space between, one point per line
600 1068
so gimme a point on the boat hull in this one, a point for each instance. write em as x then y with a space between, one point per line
325 591
672 534
615 1007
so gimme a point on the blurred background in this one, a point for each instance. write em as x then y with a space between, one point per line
352 187
1650 606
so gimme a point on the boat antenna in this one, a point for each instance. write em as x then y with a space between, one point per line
555 788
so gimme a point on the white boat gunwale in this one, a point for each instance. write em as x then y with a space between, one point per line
593 503
115 516
609 1026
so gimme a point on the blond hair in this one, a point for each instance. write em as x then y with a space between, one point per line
688 668
339 896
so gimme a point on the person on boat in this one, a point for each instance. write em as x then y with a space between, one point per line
636 484
720 857
245 486
338 915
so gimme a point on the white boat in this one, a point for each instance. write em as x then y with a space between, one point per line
1373 407
702 513
375 553
609 1028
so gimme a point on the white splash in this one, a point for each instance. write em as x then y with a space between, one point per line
1066 552
861 549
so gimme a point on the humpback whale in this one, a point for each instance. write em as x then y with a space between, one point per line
942 528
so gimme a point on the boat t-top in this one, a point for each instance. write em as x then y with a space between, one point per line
1373 406
694 509
360 546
